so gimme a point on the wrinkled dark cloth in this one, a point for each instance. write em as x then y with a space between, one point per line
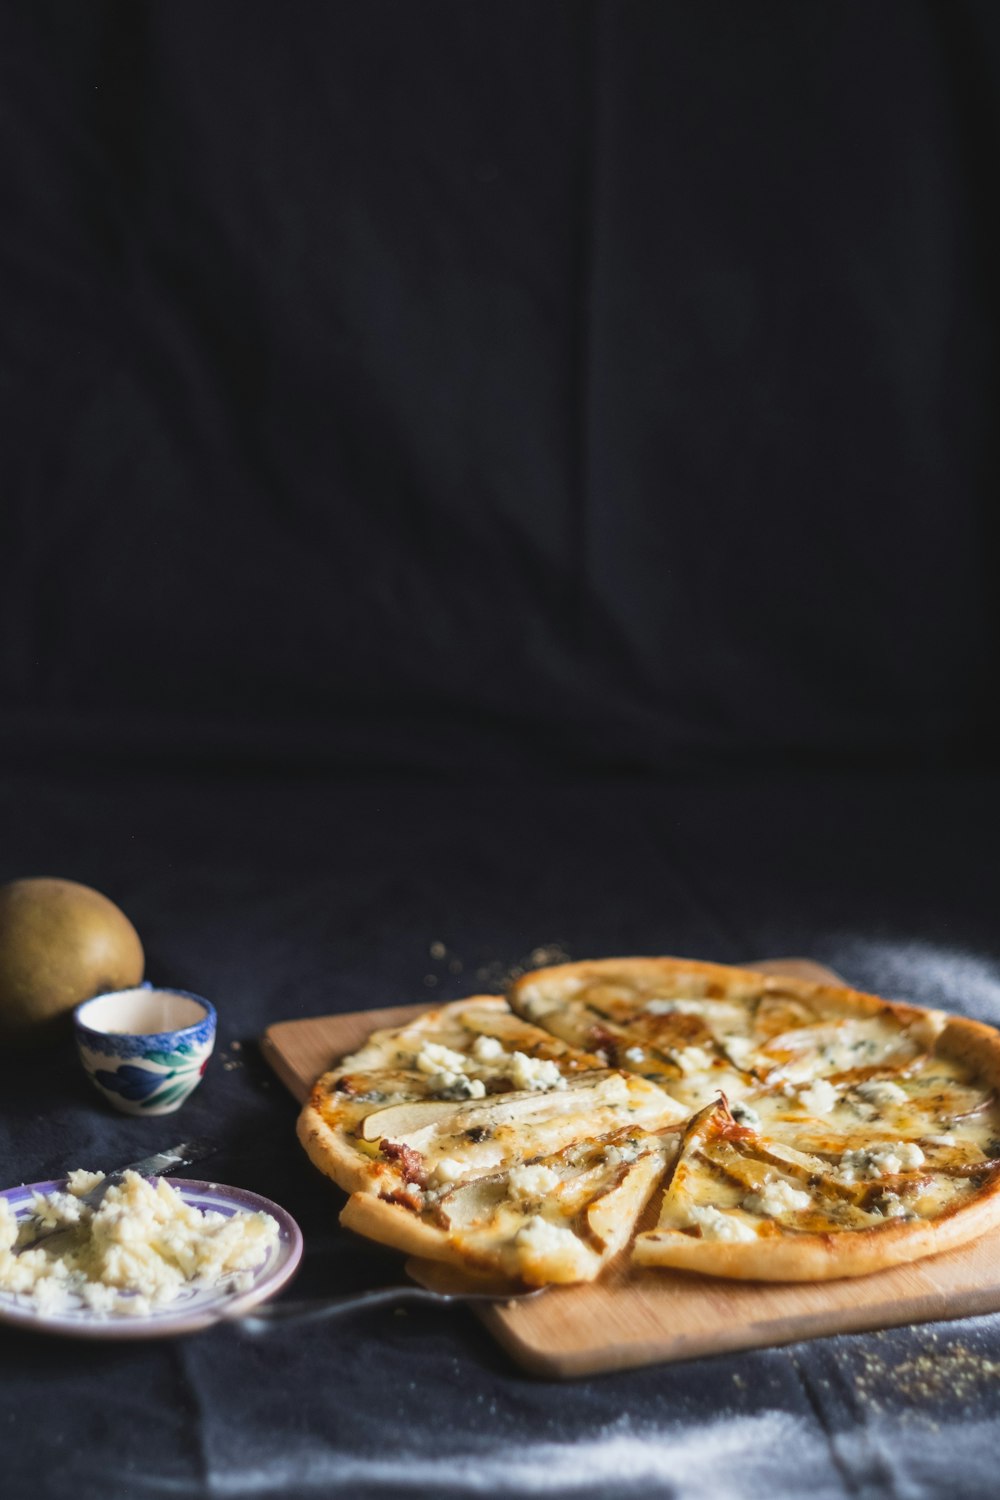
487 386
279 900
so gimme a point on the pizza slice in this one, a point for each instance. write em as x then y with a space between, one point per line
738 1204
474 1137
548 1219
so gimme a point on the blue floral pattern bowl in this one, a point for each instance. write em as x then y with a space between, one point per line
145 1049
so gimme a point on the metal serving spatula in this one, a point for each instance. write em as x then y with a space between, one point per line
294 1313
441 1285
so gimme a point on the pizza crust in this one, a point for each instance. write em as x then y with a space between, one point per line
820 1257
391 1224
974 1044
331 1151
540 995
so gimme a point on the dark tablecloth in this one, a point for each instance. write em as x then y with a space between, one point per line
280 899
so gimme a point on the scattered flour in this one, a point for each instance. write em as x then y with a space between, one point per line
741 1458
921 972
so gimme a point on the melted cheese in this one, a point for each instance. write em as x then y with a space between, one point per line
880 1092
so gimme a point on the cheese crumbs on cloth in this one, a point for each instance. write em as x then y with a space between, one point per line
140 1248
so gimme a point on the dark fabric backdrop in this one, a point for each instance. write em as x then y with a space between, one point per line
481 386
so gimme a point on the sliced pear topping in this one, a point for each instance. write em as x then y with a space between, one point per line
778 1012
798 1163
498 1109
400 1119
612 1216
472 1202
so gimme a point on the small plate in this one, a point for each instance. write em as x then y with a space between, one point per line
194 1307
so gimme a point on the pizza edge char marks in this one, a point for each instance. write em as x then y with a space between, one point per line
801 1131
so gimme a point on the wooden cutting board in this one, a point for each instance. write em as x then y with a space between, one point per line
638 1316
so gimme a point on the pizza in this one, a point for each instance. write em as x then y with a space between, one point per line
711 1118
474 1137
830 1133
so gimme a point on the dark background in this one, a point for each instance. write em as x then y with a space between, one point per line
492 387
515 477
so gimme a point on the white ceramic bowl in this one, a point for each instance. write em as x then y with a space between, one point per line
145 1049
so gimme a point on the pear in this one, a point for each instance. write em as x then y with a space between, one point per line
60 943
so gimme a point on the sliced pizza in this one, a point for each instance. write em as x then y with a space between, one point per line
552 1218
738 1204
472 1136
832 1133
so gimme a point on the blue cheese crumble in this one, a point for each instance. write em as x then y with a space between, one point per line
532 1181
774 1197
716 1225
527 1072
880 1161
137 1250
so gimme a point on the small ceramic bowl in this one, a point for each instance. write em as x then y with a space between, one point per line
145 1049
